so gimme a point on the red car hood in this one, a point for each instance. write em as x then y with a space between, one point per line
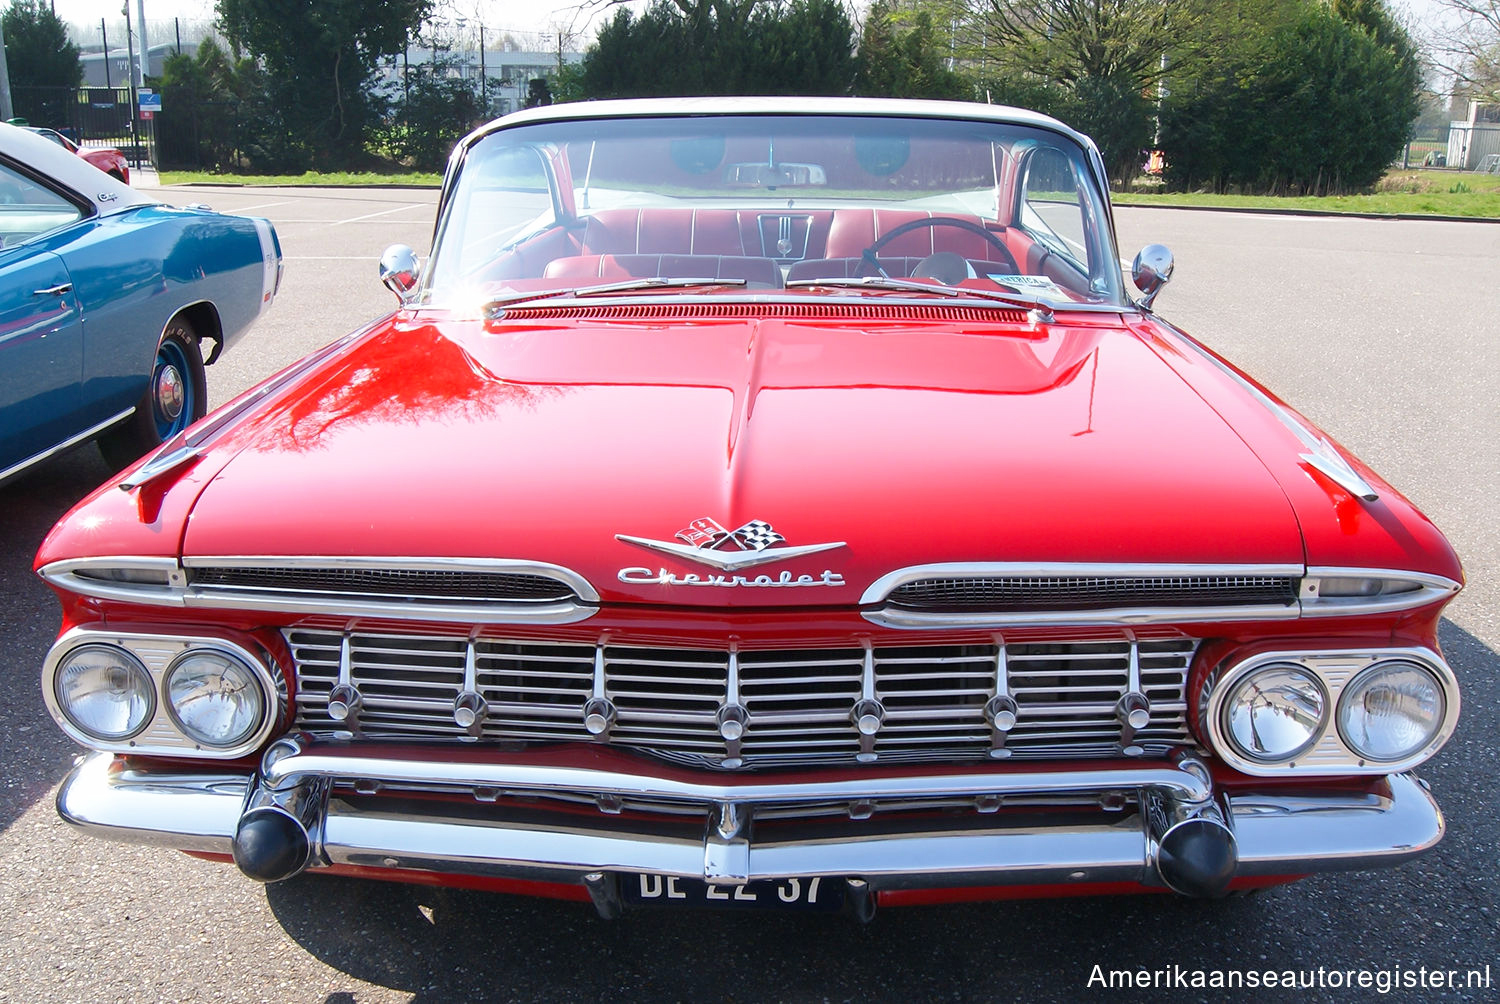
904 441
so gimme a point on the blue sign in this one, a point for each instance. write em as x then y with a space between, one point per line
150 102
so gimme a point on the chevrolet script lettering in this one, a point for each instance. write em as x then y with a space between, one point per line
661 577
706 542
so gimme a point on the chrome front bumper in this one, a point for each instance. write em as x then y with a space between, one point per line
539 817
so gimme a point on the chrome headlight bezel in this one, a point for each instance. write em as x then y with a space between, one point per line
139 679
1235 695
232 665
1329 754
156 654
1362 679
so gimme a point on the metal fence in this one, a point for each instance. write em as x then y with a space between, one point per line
1463 146
203 136
90 115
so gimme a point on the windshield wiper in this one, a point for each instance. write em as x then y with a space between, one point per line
1016 299
624 286
655 282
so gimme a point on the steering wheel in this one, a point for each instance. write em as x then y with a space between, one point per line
868 255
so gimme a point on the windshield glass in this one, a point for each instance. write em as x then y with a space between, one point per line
757 203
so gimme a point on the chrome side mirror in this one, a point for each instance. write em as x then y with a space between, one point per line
1151 271
399 270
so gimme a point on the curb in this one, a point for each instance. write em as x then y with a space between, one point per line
1247 210
342 188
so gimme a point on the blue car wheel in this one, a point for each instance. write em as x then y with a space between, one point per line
176 397
171 389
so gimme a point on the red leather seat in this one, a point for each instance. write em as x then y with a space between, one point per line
664 231
760 273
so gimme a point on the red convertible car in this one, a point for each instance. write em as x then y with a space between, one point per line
760 504
106 158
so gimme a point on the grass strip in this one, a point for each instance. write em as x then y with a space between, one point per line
1412 192
1400 193
332 179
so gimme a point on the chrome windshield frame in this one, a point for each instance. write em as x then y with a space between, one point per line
1106 274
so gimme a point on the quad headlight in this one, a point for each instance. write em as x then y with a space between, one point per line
1276 712
166 694
1330 712
104 692
214 698
1391 711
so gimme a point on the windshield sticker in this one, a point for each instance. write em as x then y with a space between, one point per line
1028 282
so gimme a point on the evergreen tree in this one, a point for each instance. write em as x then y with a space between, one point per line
44 65
1319 104
318 59
37 49
800 47
900 57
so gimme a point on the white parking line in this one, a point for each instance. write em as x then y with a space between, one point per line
260 205
281 222
383 212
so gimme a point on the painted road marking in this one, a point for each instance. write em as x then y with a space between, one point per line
384 212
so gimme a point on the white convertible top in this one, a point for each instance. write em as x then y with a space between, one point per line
68 169
865 107
892 107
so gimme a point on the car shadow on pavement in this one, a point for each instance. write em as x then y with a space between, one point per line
443 945
36 753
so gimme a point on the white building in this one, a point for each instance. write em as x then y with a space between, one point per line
1474 143
509 72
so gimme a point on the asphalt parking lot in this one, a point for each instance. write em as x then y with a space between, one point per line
1386 333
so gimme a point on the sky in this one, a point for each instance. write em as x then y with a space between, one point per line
497 15
515 16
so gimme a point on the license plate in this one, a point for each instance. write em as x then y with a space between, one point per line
816 894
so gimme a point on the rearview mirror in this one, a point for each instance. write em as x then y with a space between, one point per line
1151 271
399 270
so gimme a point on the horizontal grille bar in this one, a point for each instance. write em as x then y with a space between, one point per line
1018 593
932 703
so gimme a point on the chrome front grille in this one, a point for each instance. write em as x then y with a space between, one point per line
798 706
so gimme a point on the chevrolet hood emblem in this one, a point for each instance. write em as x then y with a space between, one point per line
706 542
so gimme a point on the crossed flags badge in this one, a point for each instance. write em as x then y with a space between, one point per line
707 542
755 535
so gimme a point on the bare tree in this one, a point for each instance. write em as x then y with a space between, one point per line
1467 47
1067 40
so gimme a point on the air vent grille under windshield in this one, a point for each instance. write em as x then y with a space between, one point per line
794 311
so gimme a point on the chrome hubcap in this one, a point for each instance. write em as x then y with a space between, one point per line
171 394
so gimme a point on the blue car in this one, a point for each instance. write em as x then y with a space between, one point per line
111 304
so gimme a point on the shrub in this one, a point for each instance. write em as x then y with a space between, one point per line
1322 107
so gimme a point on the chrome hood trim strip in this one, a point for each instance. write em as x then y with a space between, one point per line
1320 454
168 582
1427 589
882 587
